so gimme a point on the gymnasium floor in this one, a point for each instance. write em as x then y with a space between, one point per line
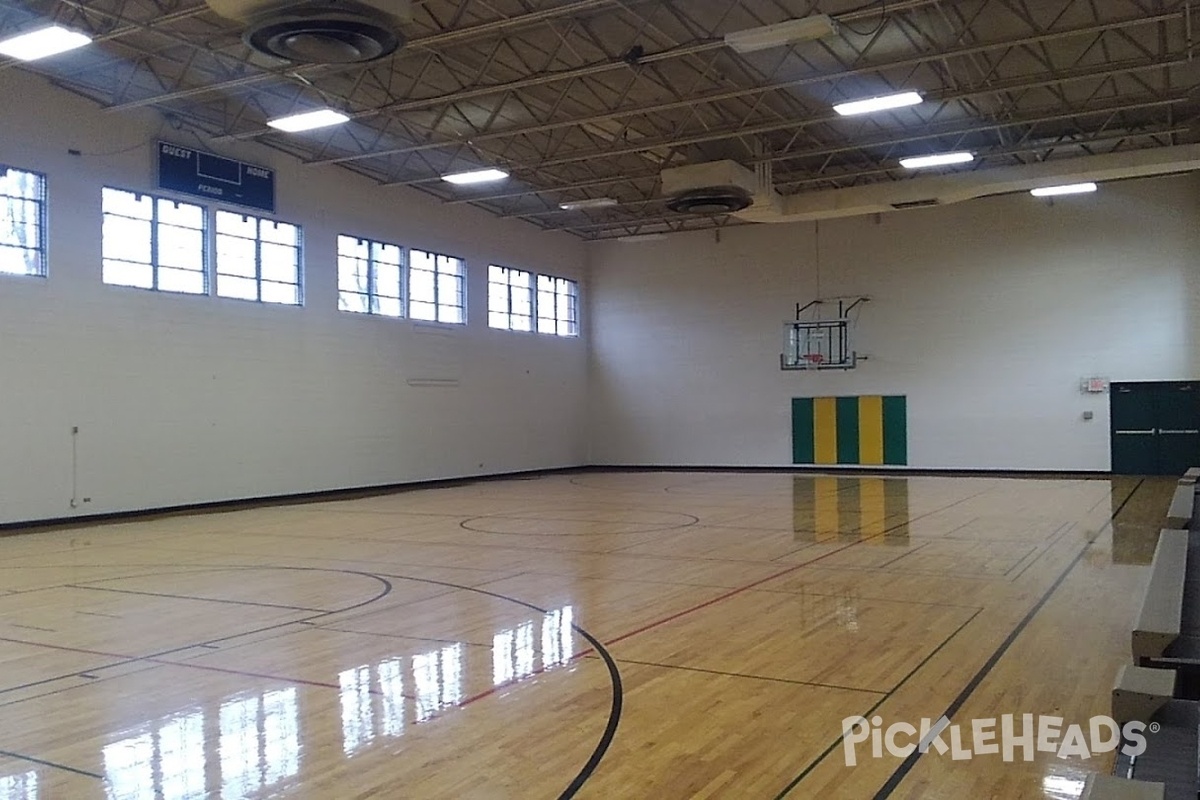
622 635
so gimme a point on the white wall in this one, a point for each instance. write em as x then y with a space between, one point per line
986 315
184 399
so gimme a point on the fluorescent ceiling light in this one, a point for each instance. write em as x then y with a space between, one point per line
42 43
805 29
872 104
309 121
642 237
1072 188
937 160
475 176
581 205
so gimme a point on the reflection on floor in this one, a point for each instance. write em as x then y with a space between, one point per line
435 643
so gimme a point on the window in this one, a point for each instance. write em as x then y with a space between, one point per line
258 259
369 277
153 243
557 306
22 222
510 299
436 287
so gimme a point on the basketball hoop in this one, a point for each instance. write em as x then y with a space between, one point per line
815 359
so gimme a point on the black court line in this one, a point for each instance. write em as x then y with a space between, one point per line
614 675
906 766
1061 534
44 763
199 599
838 741
264 629
464 524
791 681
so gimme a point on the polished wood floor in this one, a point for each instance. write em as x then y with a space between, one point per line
599 635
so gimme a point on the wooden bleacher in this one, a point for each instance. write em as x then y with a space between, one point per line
1160 619
1163 684
1182 504
1108 787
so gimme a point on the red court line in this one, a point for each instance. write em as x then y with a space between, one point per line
675 616
733 593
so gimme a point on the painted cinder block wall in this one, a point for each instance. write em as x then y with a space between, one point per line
986 315
183 399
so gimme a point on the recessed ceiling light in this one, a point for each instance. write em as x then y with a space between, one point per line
886 102
805 29
43 43
1070 188
308 121
936 160
582 205
475 176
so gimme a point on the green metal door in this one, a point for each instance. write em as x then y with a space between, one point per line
1178 413
1155 427
1134 429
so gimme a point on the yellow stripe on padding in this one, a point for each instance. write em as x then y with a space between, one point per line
870 429
825 430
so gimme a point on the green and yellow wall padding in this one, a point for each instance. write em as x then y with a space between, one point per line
867 430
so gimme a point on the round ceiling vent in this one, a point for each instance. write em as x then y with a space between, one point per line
317 36
711 200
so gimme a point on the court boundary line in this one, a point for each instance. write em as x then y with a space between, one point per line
43 762
745 676
838 741
901 772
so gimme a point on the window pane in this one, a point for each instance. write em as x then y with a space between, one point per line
237 225
419 259
351 301
126 239
497 320
280 233
18 261
127 204
387 254
374 270
180 247
449 290
22 206
387 280
153 243
352 248
20 184
422 310
183 215
389 307
124 273
421 286
178 280
278 263
497 298
448 314
280 293
352 274
236 257
241 288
